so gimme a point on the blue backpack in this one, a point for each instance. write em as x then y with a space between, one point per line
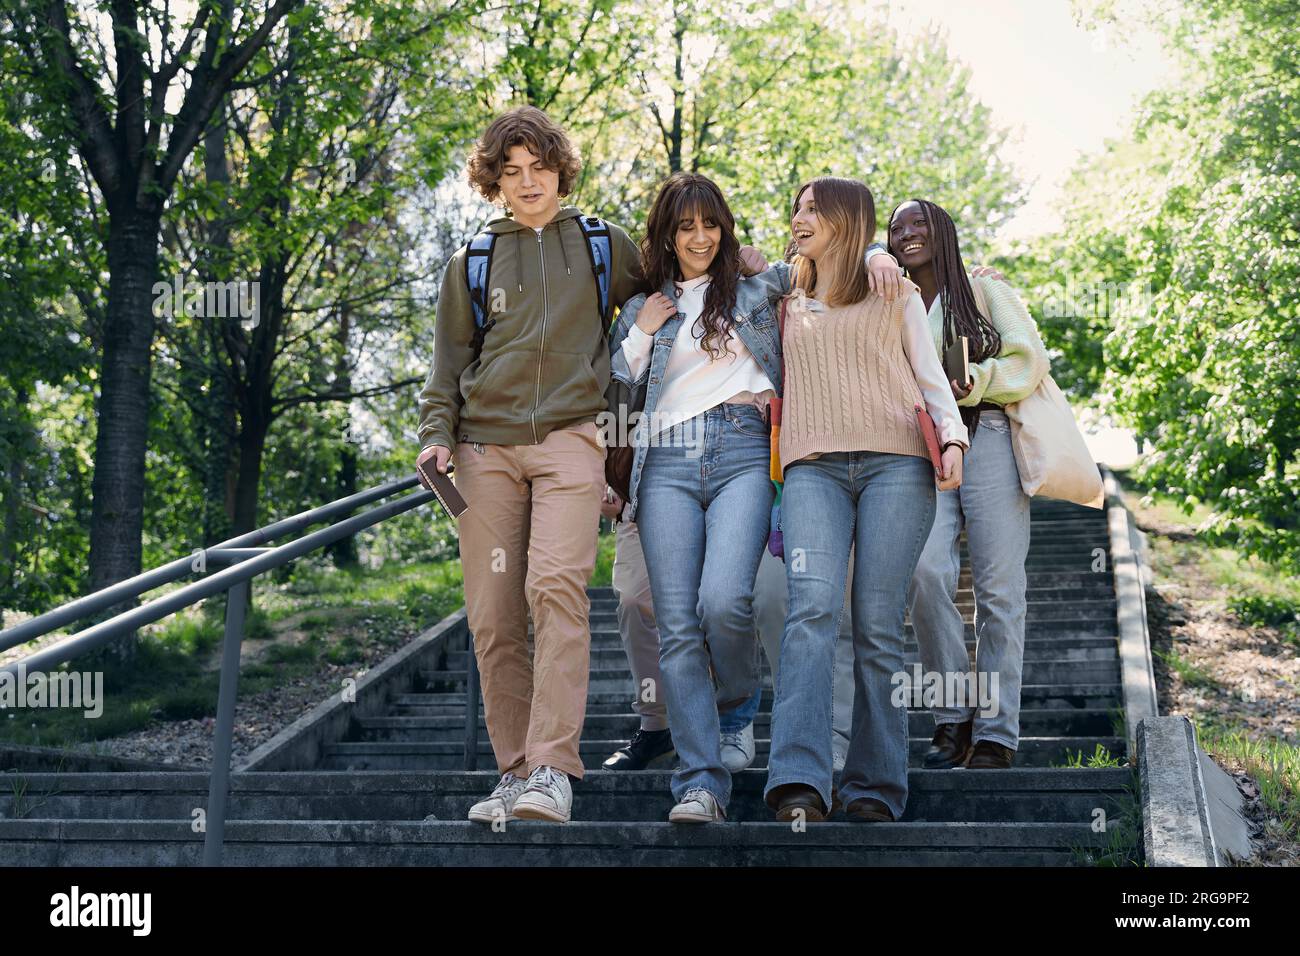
478 267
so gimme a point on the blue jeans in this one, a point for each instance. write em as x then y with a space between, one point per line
734 721
704 511
995 512
881 505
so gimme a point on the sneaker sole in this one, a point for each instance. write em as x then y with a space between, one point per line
490 817
687 817
527 812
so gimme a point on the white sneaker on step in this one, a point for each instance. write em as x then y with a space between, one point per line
548 796
738 749
500 803
697 806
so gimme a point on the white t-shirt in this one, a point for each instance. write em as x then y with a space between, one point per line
693 381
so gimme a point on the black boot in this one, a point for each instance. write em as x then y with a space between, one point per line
645 746
950 747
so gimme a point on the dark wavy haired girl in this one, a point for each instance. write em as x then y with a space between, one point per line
682 197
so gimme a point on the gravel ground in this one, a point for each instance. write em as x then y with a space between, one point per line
258 717
1243 676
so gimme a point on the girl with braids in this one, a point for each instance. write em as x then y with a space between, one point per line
1007 361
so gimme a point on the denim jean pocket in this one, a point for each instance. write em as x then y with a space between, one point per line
748 420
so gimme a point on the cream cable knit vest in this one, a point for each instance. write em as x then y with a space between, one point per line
848 383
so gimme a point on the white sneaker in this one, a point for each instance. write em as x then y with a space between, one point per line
697 806
548 796
738 749
500 803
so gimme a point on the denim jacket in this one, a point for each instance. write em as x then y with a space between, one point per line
754 321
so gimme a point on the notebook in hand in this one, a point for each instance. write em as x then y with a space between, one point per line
956 361
931 437
451 499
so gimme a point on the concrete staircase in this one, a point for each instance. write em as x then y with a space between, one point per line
394 791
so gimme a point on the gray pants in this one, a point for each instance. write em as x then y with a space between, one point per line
995 512
771 599
637 626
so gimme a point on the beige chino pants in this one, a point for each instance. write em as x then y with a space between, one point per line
528 542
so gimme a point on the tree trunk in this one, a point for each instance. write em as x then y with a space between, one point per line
117 511
252 445
344 551
13 497
217 420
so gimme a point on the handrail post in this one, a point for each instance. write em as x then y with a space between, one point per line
219 781
471 704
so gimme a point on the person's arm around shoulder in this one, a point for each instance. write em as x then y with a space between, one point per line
441 398
629 344
918 346
1021 364
772 280
883 273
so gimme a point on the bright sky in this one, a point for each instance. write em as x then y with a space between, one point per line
1061 89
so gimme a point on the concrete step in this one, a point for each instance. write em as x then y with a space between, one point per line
1100 695
618 679
607 651
1037 613
1082 595
1035 579
1049 627
417 755
1056 723
526 843
1019 794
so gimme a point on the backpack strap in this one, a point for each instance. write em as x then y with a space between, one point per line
478 268
600 250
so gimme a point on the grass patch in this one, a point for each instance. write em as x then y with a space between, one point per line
1257 610
345 651
1122 846
257 625
1189 673
1178 550
1100 758
190 632
1273 763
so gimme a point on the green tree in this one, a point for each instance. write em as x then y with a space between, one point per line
1198 210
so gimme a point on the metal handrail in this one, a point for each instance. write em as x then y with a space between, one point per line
246 560
130 588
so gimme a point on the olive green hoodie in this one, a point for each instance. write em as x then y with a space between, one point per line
545 363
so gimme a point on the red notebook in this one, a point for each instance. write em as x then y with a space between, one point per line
931 438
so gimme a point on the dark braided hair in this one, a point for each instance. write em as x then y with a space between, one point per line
683 196
960 314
